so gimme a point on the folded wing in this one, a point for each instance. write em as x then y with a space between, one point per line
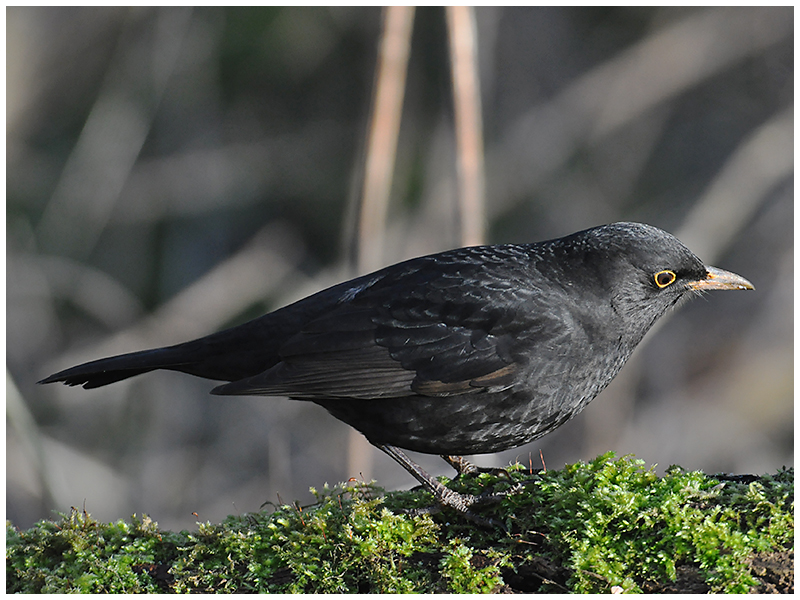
421 334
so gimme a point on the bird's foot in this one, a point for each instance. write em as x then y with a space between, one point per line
464 503
445 497
464 467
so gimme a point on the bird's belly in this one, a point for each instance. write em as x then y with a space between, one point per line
480 422
469 424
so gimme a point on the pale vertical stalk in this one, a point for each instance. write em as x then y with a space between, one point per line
468 123
384 128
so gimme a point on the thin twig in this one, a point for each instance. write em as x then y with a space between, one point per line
468 123
384 129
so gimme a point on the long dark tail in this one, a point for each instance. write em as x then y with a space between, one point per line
101 372
236 353
228 355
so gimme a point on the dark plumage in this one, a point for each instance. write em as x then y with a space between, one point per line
468 351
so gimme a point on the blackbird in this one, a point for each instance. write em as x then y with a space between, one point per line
468 351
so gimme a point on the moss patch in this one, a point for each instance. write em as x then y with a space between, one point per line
607 525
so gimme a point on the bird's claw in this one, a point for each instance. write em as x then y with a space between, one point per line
464 503
464 467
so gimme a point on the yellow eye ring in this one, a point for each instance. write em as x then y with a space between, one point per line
664 278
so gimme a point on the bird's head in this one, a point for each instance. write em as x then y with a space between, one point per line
644 270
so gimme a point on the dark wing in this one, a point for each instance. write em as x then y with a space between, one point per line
436 330
230 355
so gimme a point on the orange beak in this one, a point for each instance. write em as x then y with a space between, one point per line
717 279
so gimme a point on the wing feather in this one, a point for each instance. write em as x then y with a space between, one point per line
428 331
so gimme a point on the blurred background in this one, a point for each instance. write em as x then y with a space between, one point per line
173 171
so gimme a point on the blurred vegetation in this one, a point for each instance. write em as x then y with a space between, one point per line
171 171
610 525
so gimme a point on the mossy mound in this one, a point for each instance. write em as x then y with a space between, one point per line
607 525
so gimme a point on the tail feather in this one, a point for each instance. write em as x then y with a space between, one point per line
98 373
93 380
229 355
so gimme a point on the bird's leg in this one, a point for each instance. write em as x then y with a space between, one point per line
461 464
464 467
444 496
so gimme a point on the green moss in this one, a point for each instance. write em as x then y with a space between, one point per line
79 555
466 575
345 542
585 528
619 524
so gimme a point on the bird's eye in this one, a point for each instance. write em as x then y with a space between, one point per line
664 278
